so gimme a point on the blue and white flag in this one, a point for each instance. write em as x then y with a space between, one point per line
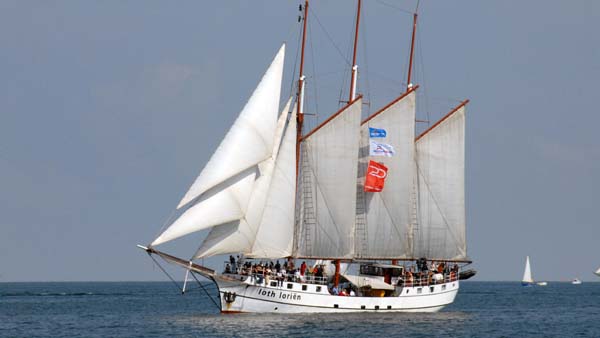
380 149
375 132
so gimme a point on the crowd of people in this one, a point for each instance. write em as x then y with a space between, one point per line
421 274
286 272
427 274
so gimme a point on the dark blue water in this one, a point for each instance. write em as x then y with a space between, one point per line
482 309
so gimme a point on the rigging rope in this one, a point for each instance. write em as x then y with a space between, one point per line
164 271
293 78
394 7
329 37
207 294
312 53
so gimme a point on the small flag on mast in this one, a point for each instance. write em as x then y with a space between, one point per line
380 149
375 178
376 132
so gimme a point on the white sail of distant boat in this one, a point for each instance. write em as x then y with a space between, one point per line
597 273
272 191
527 279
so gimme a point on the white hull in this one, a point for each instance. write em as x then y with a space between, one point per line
251 297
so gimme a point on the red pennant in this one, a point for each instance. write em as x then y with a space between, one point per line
376 174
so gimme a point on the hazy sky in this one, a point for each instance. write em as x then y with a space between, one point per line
109 109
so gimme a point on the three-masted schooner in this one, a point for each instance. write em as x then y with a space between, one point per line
377 211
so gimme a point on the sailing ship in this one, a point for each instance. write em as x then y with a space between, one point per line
527 279
380 207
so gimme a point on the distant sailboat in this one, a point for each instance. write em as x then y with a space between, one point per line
527 280
597 273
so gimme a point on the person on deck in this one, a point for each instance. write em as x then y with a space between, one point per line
319 272
279 278
303 268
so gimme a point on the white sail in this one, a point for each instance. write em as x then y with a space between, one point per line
387 214
226 203
250 139
597 273
275 234
440 163
223 188
328 183
527 274
220 241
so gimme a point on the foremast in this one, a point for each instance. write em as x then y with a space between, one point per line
301 84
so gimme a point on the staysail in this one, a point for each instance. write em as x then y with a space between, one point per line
275 234
222 190
440 166
250 139
240 236
386 215
327 186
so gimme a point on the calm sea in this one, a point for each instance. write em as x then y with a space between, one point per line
482 309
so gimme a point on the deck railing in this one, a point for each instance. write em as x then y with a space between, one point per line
260 276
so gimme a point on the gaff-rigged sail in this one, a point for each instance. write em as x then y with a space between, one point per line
387 214
222 190
440 165
327 183
240 236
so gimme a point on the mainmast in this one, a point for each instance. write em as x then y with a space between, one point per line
301 78
353 79
409 87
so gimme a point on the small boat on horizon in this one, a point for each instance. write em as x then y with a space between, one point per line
576 281
542 283
527 279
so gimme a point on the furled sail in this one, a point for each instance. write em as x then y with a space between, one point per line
440 165
240 236
275 234
327 181
223 188
250 139
383 218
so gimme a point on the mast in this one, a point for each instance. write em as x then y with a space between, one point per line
300 105
412 50
353 79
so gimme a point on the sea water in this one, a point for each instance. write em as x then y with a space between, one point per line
157 309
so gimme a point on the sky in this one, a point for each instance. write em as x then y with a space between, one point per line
109 109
